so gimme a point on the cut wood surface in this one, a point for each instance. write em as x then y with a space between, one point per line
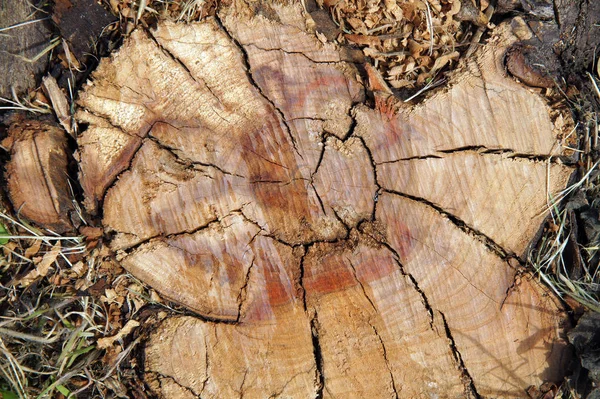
331 246
37 177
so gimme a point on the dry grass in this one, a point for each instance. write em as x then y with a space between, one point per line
567 257
46 331
550 259
62 329
25 105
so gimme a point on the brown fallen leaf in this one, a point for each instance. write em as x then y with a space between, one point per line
445 59
42 267
364 40
33 249
104 343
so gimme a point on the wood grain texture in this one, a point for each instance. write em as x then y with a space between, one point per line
330 248
36 174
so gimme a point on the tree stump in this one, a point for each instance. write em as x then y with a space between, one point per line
36 175
330 248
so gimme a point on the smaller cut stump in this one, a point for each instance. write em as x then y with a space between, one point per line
38 184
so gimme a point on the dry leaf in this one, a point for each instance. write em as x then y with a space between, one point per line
9 247
79 268
114 5
398 84
48 259
104 343
445 59
42 265
110 296
82 284
33 249
390 28
363 39
322 38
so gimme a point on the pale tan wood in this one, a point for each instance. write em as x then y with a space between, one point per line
329 248
375 331
346 181
492 314
207 268
268 354
489 184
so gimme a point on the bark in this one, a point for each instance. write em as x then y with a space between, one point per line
20 46
329 247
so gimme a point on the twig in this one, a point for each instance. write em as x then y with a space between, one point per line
28 337
430 27
594 83
23 24
428 86
489 11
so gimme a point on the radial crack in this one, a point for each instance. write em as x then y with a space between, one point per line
321 156
492 245
385 359
196 79
214 221
254 83
321 204
470 389
479 150
416 157
332 62
320 376
187 162
301 280
106 119
362 286
207 363
510 153
415 285
174 381
100 201
375 179
243 295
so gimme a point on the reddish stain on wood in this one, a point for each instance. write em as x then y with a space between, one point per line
404 240
275 277
339 272
296 97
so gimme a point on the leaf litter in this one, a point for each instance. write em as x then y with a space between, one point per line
409 41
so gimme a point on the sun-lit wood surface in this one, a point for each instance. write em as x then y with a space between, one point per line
332 245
